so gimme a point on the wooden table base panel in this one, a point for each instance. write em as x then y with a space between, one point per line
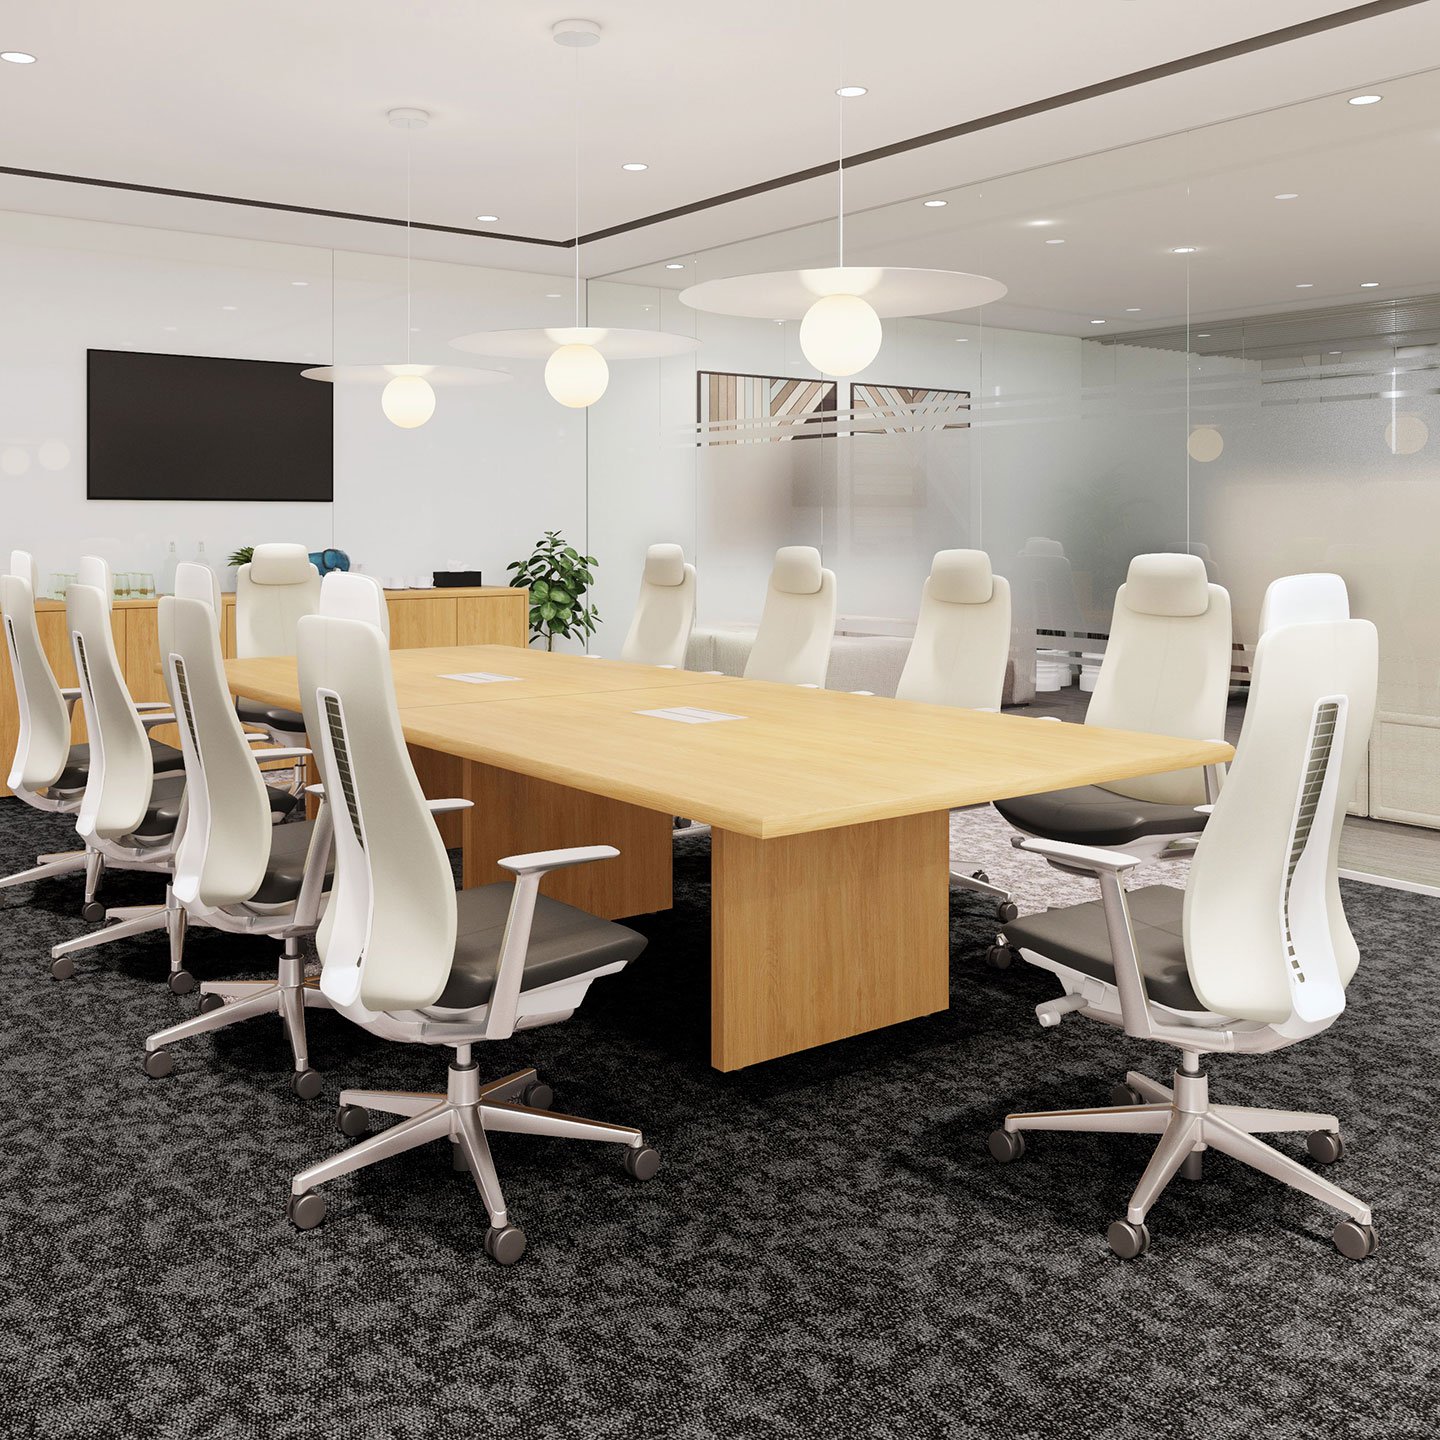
515 814
819 936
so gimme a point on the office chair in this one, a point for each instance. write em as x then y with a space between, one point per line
234 870
1303 599
1253 956
1166 672
350 596
797 626
409 960
272 593
129 815
665 610
958 658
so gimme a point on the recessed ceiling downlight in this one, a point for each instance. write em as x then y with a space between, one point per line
1288 195
17 57
635 166
1369 284
851 92
1183 249
936 204
487 219
674 265
1366 99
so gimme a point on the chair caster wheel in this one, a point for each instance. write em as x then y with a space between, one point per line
1354 1240
211 1002
506 1245
182 982
93 911
1128 1241
1006 1145
1006 911
158 1063
641 1162
1325 1147
62 969
1123 1094
981 876
538 1095
307 1084
998 957
306 1211
353 1120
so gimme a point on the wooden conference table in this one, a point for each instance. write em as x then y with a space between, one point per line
830 813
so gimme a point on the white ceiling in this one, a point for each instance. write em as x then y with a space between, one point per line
284 102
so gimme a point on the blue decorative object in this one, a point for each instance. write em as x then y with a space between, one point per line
327 560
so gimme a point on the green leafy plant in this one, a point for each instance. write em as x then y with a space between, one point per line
243 556
558 578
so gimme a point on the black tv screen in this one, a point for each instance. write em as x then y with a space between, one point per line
194 427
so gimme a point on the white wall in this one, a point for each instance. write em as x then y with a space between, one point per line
474 487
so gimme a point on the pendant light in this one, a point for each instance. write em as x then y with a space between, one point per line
408 396
577 369
839 307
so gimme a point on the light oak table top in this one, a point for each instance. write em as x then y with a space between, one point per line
796 761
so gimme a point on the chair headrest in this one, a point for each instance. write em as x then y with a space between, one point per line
665 565
280 565
961 577
1039 545
797 570
22 565
1167 585
1304 600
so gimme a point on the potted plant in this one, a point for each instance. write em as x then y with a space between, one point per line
558 578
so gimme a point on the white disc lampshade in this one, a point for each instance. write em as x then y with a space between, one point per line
576 375
888 290
840 334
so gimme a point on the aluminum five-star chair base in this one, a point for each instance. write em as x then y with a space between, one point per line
227 1002
980 883
45 866
462 1115
1187 1124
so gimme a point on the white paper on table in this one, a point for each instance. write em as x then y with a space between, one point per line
690 715
479 677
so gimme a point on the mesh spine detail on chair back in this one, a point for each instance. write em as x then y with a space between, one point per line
389 937
961 647
43 743
225 848
1167 667
118 788
1265 932
277 589
797 627
659 633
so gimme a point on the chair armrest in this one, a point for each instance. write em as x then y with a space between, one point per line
317 790
148 704
1204 809
1080 857
254 737
444 807
296 752
528 871
164 717
540 862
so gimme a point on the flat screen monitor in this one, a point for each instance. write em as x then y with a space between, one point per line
196 427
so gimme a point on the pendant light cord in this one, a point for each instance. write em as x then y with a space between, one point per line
840 166
409 150
577 188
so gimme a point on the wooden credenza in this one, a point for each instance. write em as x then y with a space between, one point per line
483 615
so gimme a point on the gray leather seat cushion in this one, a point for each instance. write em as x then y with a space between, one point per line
1088 815
165 758
163 814
1075 936
564 942
289 847
256 712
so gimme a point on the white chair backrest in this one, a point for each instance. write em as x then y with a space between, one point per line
43 743
272 592
797 626
1167 667
1265 933
225 848
665 612
962 635
388 939
22 563
1045 590
193 581
1302 599
118 787
95 571
348 596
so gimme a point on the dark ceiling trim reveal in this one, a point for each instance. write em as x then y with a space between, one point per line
1354 15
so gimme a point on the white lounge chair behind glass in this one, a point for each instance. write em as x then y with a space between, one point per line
234 870
797 627
665 610
129 816
408 959
958 658
272 593
1253 956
